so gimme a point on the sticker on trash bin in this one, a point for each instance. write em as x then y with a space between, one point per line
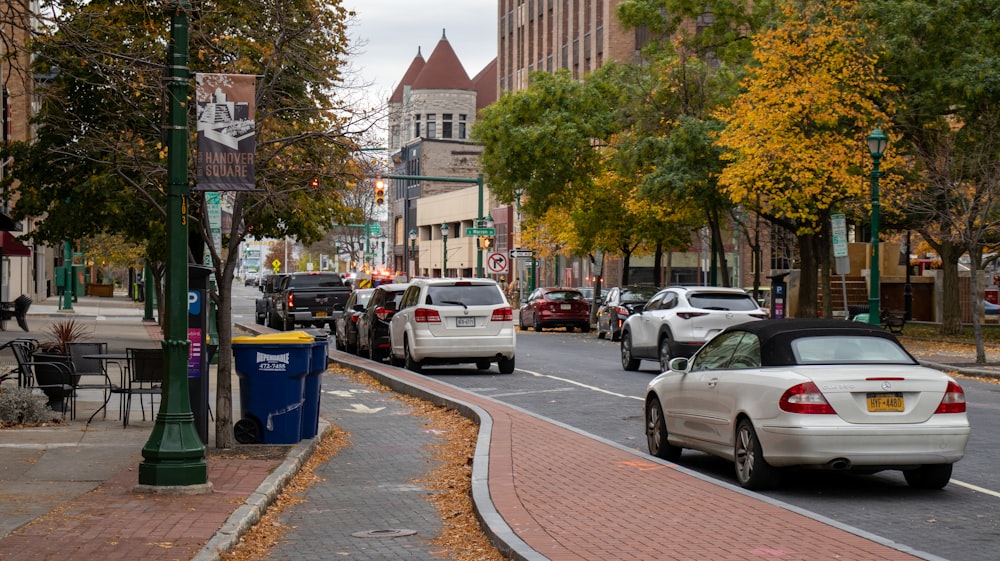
273 362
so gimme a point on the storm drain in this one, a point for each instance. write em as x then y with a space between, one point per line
392 533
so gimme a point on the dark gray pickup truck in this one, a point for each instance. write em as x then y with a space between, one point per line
308 299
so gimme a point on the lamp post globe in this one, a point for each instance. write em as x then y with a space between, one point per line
877 143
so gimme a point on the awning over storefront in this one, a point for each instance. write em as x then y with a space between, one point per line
11 247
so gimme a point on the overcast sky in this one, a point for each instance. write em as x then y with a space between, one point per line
389 32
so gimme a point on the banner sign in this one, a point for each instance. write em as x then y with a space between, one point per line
226 141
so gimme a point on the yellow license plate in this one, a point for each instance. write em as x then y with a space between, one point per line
885 402
321 314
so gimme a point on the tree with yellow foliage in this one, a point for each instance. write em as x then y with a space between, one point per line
795 135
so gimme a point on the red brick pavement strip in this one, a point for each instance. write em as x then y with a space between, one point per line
113 522
570 497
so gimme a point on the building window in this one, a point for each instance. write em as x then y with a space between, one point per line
446 123
431 125
416 126
461 127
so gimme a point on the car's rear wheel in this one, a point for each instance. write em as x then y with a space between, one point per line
752 471
411 364
656 433
664 354
628 363
483 365
506 365
928 476
373 353
585 328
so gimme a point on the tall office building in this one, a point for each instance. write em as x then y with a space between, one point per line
579 35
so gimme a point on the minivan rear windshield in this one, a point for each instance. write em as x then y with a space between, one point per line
469 294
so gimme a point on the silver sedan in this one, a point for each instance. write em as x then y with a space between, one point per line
822 394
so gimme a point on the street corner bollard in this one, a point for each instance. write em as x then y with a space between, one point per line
272 370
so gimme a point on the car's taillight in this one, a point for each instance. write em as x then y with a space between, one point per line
354 318
953 400
759 316
621 310
425 315
805 398
383 314
291 300
689 315
503 314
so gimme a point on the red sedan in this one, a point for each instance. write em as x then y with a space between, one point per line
555 307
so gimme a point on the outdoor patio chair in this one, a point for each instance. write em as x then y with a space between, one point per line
143 376
52 374
92 372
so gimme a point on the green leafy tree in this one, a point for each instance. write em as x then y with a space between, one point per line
98 162
942 57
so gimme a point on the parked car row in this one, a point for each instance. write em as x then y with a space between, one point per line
431 321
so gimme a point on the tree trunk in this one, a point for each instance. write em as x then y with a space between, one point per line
975 258
808 286
719 251
951 314
658 264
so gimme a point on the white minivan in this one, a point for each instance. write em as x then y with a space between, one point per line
453 321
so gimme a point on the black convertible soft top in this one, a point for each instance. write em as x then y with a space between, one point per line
775 335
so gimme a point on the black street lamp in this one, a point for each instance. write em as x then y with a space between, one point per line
877 142
444 253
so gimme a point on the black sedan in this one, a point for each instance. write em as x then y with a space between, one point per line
621 302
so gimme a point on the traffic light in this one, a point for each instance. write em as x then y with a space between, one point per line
380 191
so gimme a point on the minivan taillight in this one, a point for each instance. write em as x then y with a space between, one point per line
426 315
953 400
503 314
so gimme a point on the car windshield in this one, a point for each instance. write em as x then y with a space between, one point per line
722 301
564 295
834 349
468 294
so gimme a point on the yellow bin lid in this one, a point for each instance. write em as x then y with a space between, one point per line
297 337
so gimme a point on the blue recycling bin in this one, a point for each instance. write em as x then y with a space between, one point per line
312 389
272 370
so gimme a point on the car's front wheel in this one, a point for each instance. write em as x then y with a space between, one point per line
752 471
628 362
656 433
928 476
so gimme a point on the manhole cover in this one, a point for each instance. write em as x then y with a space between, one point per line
393 533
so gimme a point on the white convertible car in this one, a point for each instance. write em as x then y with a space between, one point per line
824 394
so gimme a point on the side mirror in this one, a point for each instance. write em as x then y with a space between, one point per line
678 364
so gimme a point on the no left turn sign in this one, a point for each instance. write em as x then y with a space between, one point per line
496 262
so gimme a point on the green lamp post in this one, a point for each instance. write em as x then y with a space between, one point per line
174 455
444 252
877 142
413 253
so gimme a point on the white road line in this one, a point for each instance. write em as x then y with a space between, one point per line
575 383
976 488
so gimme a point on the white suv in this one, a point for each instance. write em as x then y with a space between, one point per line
679 319
453 321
